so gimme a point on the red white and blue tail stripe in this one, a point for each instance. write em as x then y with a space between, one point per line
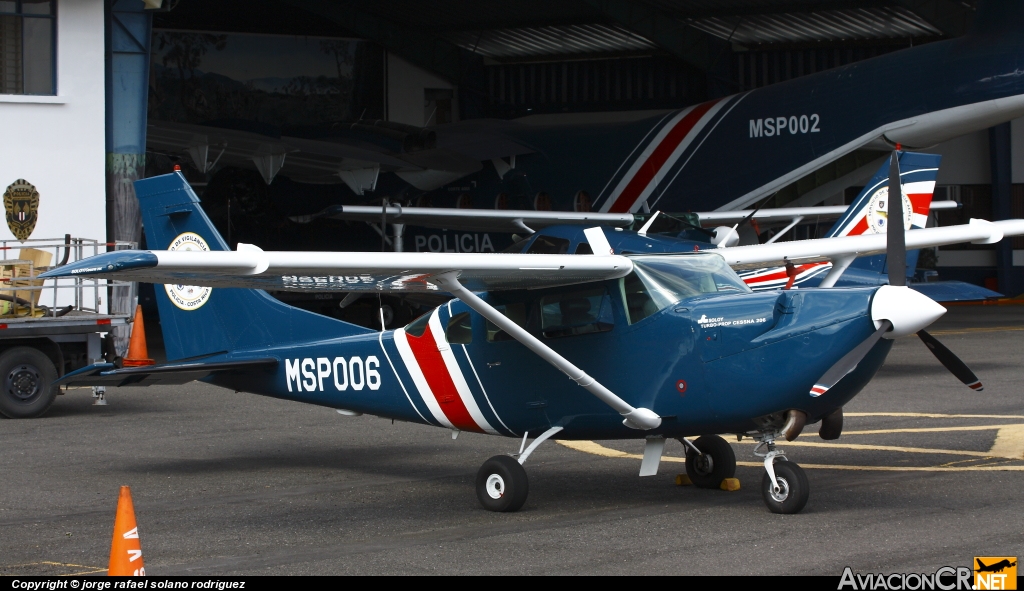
868 214
662 155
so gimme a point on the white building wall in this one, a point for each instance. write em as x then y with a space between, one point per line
57 142
406 83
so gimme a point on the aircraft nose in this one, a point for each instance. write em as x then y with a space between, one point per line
909 311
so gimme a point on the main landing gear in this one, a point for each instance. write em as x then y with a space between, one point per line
709 461
501 483
784 485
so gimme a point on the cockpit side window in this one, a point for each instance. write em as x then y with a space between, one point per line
584 248
581 311
637 297
549 245
516 246
658 281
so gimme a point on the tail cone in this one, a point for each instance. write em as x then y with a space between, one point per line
126 549
138 355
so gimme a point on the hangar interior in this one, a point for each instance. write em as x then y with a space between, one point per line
261 66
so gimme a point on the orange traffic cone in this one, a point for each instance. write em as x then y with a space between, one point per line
126 550
138 355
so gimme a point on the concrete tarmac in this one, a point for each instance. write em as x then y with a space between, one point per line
927 474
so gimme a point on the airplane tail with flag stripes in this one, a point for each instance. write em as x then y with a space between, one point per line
199 321
868 214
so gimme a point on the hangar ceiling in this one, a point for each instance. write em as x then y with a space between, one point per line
451 37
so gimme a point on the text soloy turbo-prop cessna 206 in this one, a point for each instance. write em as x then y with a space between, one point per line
551 232
491 361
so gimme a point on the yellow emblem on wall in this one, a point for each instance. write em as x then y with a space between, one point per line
21 202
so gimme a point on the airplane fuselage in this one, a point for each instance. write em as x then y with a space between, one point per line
709 364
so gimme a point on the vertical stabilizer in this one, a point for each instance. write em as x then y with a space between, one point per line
202 320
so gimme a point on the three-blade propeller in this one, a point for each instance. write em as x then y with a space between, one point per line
896 245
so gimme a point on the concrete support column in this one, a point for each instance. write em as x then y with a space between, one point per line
1011 279
128 32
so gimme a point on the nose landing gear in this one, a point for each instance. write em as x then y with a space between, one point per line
784 485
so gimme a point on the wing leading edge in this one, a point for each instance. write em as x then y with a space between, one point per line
251 267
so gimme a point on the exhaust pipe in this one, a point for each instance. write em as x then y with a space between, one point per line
795 421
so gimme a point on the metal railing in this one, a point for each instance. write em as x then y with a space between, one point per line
22 292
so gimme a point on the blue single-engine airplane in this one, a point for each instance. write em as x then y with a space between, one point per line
551 232
690 332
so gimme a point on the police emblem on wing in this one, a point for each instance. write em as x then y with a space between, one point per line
878 211
188 297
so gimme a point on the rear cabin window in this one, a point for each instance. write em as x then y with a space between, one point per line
584 248
417 327
515 312
549 245
460 329
576 312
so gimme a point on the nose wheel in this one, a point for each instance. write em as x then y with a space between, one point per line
784 485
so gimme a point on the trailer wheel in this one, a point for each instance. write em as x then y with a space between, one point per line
26 383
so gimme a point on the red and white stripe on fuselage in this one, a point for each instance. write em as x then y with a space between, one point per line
920 195
439 379
776 277
658 158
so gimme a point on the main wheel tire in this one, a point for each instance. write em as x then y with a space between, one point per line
26 383
501 484
793 486
715 463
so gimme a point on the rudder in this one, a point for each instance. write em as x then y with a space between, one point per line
201 320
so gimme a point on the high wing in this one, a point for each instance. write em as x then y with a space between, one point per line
785 214
832 249
470 220
251 267
354 152
509 220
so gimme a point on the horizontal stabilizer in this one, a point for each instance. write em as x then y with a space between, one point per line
106 374
954 291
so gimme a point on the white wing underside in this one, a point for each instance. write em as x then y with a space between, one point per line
251 267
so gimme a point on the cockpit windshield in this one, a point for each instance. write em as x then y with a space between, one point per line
658 281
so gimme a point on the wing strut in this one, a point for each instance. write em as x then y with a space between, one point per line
634 418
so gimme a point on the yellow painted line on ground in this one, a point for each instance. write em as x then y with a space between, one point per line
934 429
977 330
49 563
92 569
909 450
953 463
929 415
1009 443
86 572
597 449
